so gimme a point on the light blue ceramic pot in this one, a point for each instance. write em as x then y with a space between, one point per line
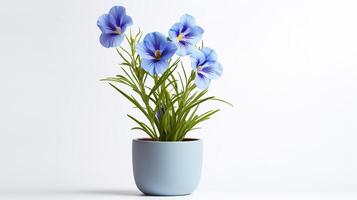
167 168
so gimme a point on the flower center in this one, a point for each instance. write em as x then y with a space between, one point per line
117 30
179 37
157 54
199 68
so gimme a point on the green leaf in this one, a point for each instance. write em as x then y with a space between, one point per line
143 126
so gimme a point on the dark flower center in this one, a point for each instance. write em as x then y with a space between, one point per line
157 54
199 68
117 30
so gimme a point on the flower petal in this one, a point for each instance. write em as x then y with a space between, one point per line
155 41
169 51
188 20
125 22
212 70
147 65
210 54
197 59
121 19
106 23
184 50
111 40
194 34
144 52
175 31
161 66
153 66
201 81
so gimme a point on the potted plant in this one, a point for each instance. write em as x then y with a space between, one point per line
168 94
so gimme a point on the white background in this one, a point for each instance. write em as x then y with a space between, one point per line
290 69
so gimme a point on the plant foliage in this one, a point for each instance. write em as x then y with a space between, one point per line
160 88
169 101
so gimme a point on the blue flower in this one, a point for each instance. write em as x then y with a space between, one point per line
205 63
155 52
185 34
159 113
113 26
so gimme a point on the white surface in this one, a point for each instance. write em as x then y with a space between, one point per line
290 68
107 194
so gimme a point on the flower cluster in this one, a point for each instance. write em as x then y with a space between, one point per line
157 49
160 87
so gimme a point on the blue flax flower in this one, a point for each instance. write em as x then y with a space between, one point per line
185 34
205 63
155 52
160 113
113 26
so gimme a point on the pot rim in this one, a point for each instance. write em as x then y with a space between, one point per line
149 140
